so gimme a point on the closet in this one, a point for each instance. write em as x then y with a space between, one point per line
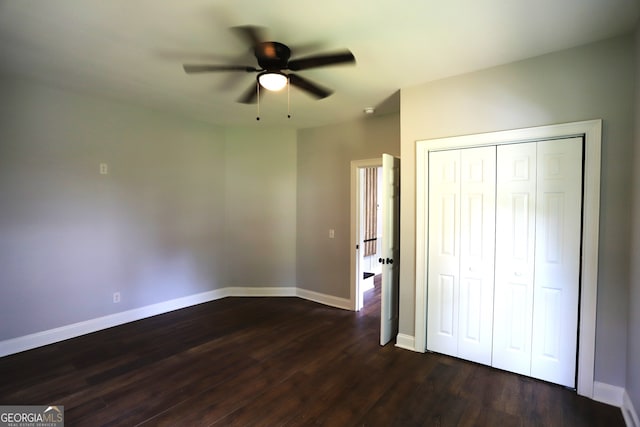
503 263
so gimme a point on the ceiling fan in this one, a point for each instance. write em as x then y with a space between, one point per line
273 60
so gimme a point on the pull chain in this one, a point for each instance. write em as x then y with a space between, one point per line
288 98
258 95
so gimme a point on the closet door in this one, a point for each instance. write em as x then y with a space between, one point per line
477 243
504 239
557 265
515 262
461 252
444 252
539 203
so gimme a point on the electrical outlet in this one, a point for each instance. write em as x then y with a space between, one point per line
332 233
104 169
116 297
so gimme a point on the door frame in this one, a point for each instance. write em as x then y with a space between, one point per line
591 131
355 300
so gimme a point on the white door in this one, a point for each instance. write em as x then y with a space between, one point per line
390 259
461 252
557 261
540 274
444 252
539 202
515 246
477 242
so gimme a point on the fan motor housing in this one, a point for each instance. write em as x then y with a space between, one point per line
272 55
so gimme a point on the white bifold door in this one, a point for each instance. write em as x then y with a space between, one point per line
461 252
504 256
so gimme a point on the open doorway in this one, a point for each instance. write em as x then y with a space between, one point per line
366 197
387 234
370 227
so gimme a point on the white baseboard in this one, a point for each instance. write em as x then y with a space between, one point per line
629 412
329 300
27 342
248 291
616 396
39 339
407 342
607 393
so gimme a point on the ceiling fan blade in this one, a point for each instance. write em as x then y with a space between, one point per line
189 69
308 86
250 95
251 34
345 57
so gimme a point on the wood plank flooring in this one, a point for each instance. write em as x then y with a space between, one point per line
277 362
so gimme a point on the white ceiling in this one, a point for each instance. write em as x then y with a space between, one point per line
134 49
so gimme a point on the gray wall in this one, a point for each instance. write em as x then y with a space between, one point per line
588 82
171 219
324 194
260 206
633 340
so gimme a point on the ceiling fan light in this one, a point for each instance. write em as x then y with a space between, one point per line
272 81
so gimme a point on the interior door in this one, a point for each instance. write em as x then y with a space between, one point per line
390 248
515 248
557 255
538 242
477 246
461 252
444 252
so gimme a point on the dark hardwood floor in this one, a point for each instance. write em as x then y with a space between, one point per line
277 362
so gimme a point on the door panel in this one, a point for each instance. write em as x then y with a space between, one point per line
517 320
461 253
444 254
470 312
390 282
449 217
446 291
515 248
477 245
520 221
557 266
